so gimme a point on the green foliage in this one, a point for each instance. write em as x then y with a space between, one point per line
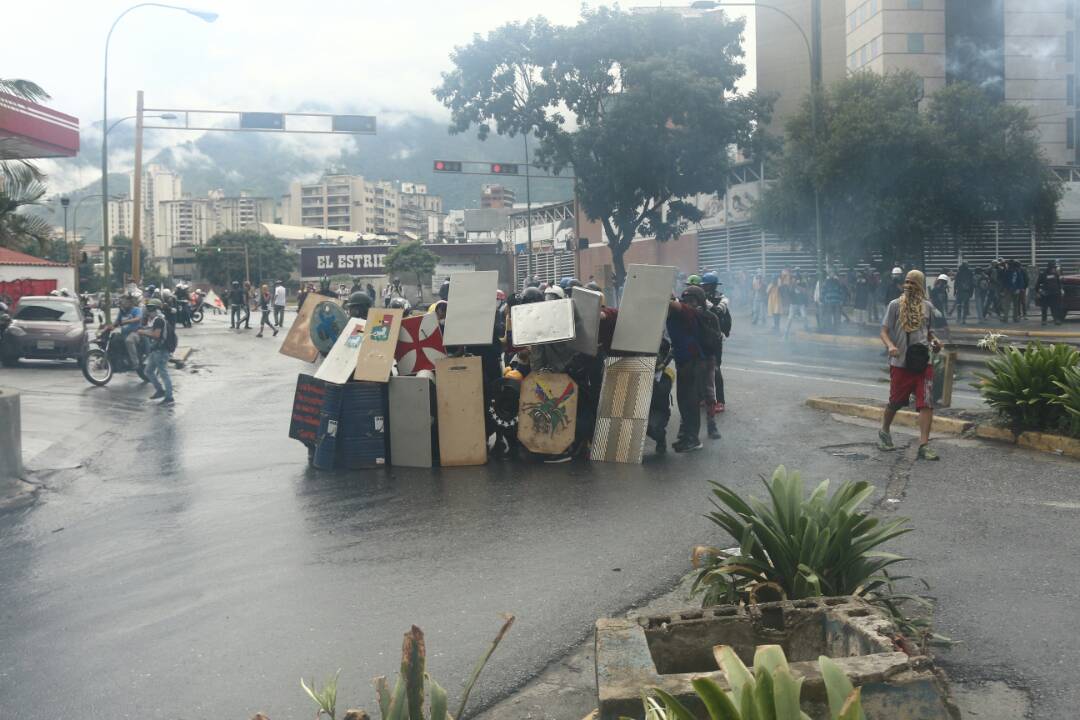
120 263
892 178
651 95
221 259
1025 386
411 259
803 546
21 188
414 686
1069 399
771 692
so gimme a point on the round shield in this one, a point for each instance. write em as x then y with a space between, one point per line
327 322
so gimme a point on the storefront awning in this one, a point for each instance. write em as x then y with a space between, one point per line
29 130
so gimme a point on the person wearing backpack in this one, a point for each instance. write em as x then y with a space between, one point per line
162 342
908 337
718 306
684 326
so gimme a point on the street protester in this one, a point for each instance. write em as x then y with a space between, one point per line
302 294
775 295
964 289
250 296
660 405
280 297
161 345
798 299
265 306
129 320
909 339
939 298
716 304
684 329
1051 293
359 304
236 305
894 288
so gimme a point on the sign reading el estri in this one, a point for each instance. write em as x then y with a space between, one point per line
343 260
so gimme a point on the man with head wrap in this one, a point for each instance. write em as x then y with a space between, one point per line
906 334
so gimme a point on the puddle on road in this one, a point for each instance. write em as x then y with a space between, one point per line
990 700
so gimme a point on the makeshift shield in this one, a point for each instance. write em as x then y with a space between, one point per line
587 304
623 415
420 344
462 433
470 308
411 423
542 322
340 363
645 305
376 358
211 298
547 414
328 319
297 342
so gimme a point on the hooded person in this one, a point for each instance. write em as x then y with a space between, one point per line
908 337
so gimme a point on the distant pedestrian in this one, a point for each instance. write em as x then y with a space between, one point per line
302 294
280 297
798 299
236 305
1051 293
759 300
775 302
964 289
157 372
249 299
907 336
265 305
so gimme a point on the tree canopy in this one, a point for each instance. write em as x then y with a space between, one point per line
221 259
892 179
411 259
641 108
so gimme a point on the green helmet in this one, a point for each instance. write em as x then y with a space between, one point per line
693 280
154 303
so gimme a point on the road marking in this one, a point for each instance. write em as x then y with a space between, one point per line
791 364
1062 505
803 377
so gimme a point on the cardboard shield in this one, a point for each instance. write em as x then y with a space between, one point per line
411 423
340 364
470 309
328 319
543 322
307 407
587 304
419 344
645 302
297 342
459 385
376 358
547 415
623 415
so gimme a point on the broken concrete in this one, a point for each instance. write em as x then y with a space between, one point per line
668 651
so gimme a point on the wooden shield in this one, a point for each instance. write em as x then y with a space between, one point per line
297 342
459 385
376 358
470 308
340 363
547 412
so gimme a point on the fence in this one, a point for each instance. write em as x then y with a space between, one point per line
545 265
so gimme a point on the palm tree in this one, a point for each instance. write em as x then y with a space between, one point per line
22 185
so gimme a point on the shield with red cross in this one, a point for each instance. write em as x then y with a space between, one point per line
420 344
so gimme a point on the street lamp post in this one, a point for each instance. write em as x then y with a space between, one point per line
206 16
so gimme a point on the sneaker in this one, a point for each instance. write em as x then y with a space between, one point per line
687 446
168 401
157 395
714 432
885 442
661 448
927 453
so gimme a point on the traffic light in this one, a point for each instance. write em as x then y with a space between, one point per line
504 169
447 166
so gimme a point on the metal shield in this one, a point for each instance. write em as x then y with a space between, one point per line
470 308
411 422
542 322
587 304
645 300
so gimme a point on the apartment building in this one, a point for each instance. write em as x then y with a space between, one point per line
496 196
418 211
159 185
193 221
349 203
121 217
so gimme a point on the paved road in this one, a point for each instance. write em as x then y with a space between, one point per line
192 566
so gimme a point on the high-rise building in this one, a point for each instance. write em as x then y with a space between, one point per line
496 196
416 209
159 185
121 221
350 203
193 221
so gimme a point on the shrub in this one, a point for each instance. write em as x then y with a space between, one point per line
802 546
770 693
1069 400
1023 385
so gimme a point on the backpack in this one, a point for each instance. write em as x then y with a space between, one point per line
723 315
709 332
168 342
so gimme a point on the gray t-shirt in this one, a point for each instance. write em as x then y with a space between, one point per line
891 322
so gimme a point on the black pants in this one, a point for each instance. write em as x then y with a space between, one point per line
962 301
235 315
720 377
1055 307
247 317
279 315
660 410
688 395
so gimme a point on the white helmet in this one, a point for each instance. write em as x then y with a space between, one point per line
897 271
554 291
943 276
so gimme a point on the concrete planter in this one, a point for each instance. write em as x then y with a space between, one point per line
668 651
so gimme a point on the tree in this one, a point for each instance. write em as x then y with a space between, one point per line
221 259
121 264
22 186
412 258
893 179
651 95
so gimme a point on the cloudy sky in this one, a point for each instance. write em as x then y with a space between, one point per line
360 55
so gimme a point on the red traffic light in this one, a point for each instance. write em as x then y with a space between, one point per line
447 166
504 169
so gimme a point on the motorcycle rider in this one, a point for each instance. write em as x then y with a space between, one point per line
157 371
129 320
237 302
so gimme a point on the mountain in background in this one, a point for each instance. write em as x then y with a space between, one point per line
264 164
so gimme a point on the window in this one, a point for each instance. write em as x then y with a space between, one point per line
875 47
864 55
1070 133
1070 90
852 63
915 43
852 22
914 5
873 7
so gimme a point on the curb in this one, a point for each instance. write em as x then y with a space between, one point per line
828 339
1042 442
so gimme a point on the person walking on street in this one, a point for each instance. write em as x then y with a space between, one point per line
939 298
264 307
799 298
1014 283
1051 293
759 299
965 287
717 304
775 302
249 299
906 334
280 296
236 305
157 332
684 329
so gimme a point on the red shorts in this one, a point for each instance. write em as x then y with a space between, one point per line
903 382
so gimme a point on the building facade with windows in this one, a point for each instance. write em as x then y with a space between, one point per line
496 196
349 203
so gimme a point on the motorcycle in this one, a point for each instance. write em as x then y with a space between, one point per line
197 309
110 357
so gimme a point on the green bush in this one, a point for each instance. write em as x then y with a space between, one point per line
802 546
1024 386
771 692
1069 400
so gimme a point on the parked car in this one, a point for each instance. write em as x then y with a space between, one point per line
1071 285
45 328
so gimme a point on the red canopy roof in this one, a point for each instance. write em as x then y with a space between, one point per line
29 130
12 257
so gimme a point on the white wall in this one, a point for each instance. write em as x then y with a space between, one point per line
64 276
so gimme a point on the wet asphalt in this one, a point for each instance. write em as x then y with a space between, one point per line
186 562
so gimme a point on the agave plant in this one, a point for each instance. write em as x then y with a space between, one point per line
802 546
1023 385
771 692
1069 399
413 689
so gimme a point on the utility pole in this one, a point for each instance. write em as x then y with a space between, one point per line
136 192
528 209
247 265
